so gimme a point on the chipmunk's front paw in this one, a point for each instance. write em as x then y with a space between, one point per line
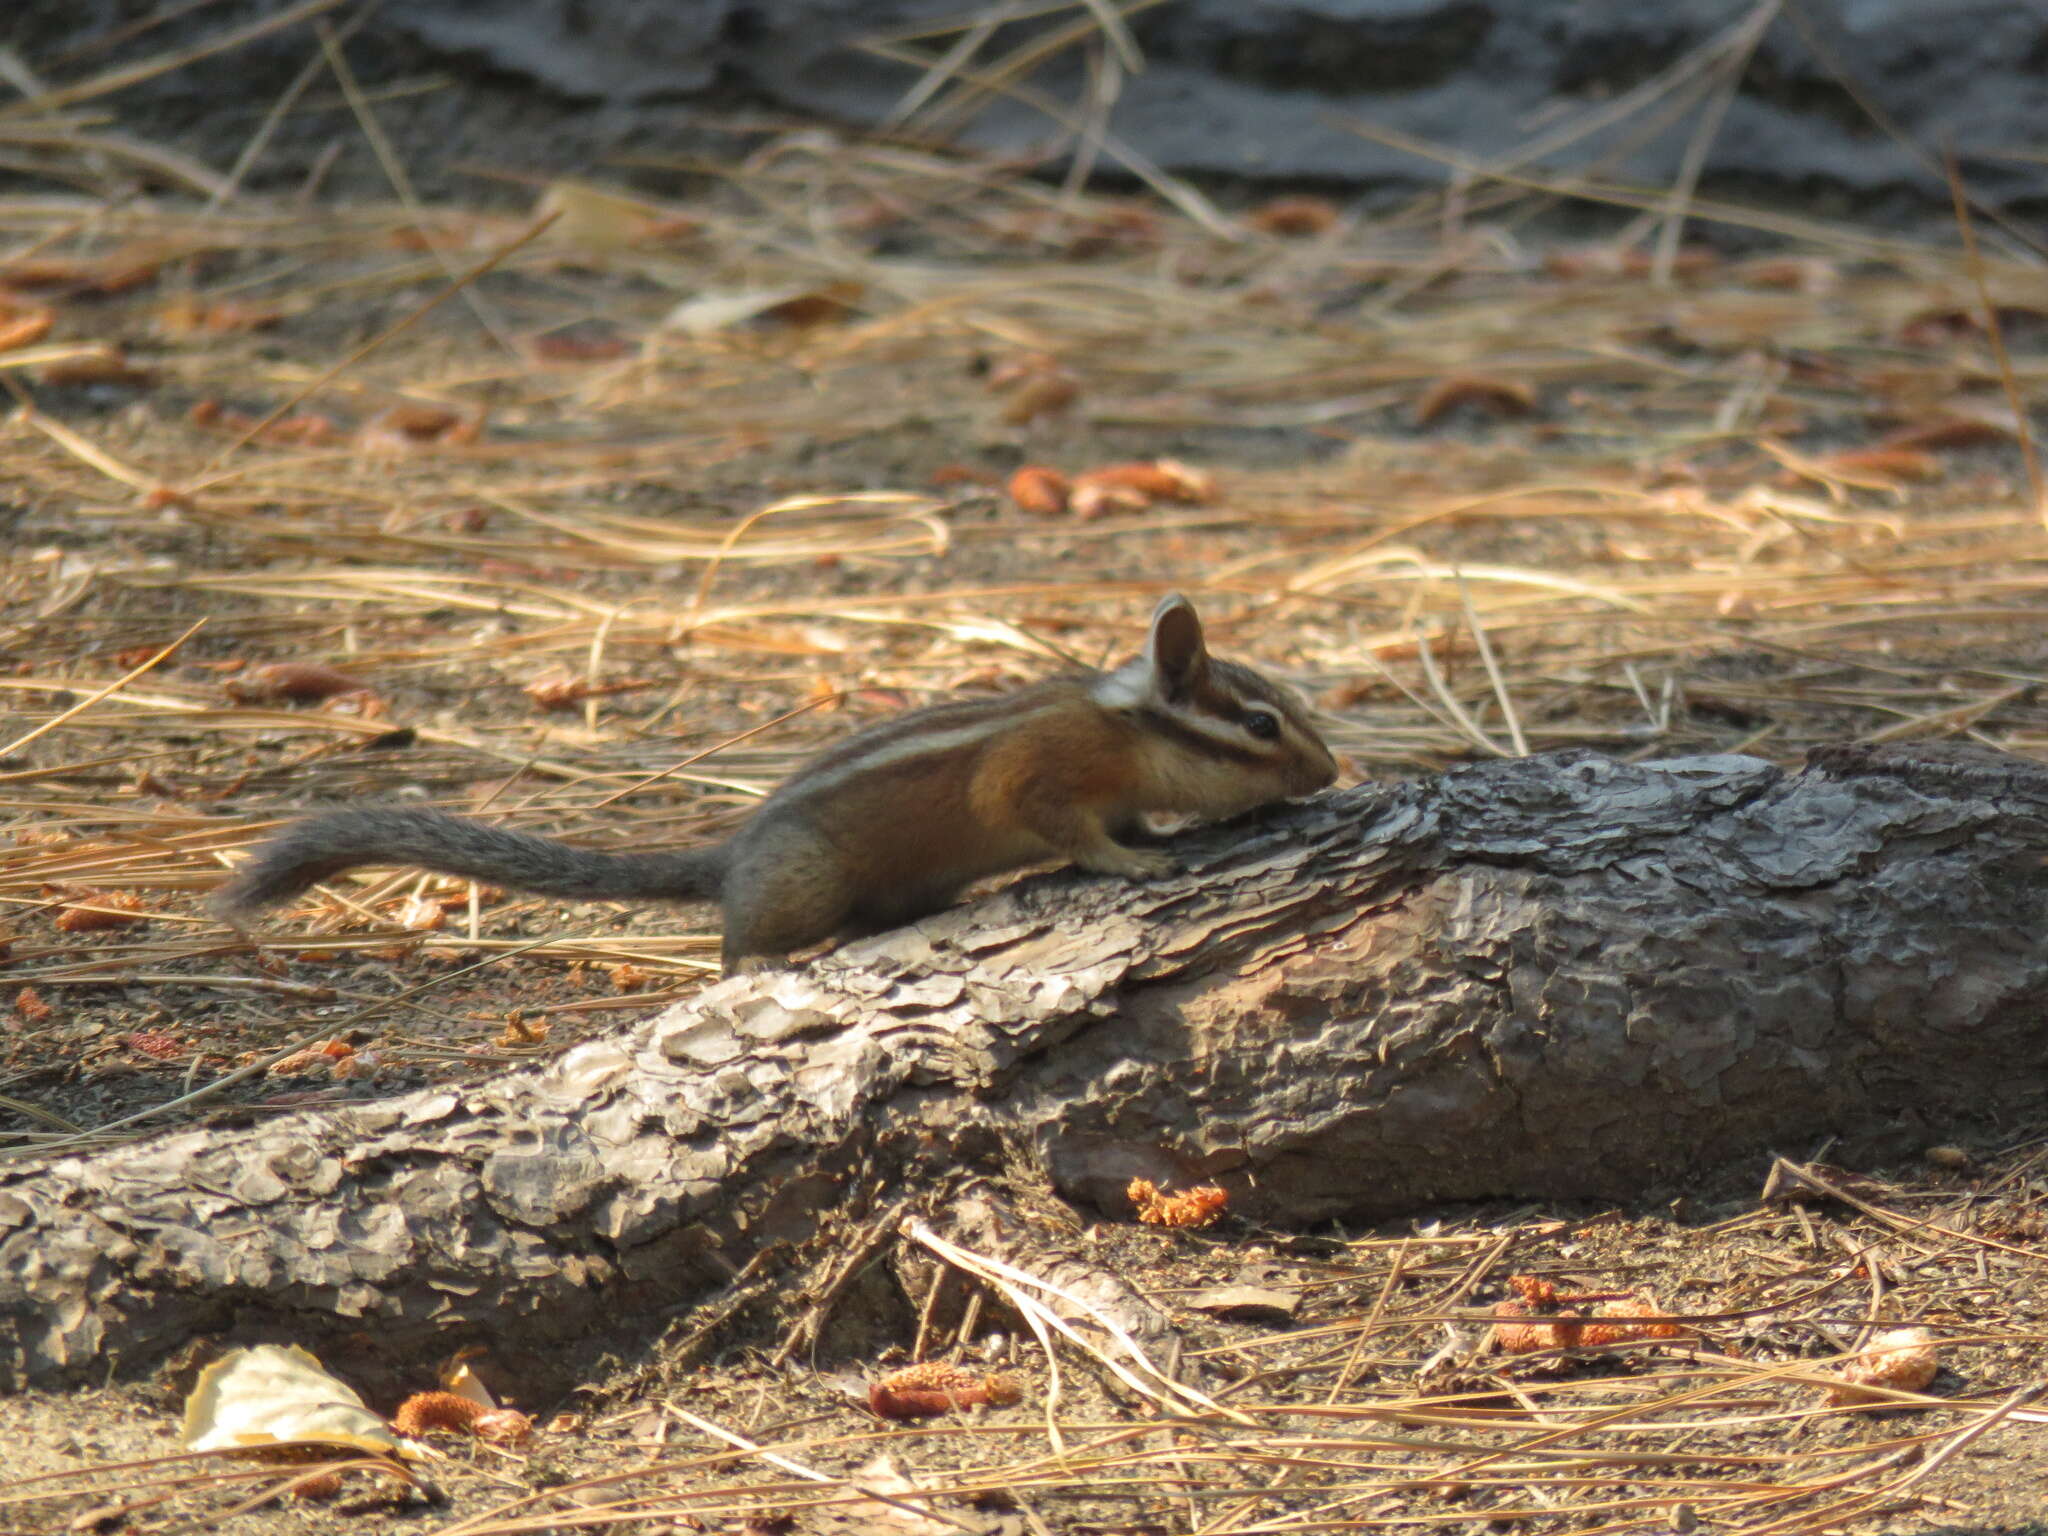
1131 863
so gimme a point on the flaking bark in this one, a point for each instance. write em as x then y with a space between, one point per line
1557 977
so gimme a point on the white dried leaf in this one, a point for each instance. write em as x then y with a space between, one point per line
275 1393
463 1382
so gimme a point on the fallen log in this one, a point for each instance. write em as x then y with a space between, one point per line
1561 977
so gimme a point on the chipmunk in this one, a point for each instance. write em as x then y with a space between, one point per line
892 824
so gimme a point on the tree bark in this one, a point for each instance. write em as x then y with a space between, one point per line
1561 977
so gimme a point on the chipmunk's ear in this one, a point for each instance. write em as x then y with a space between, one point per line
1174 652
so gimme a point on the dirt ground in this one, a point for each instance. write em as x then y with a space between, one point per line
302 512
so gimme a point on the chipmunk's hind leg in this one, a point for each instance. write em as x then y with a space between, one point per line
878 912
780 895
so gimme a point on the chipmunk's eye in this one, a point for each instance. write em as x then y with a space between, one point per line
1262 723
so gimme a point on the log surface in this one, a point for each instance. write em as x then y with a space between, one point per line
1559 977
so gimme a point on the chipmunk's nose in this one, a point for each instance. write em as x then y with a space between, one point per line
1316 774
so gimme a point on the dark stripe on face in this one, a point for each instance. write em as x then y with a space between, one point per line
1247 684
1257 691
1196 741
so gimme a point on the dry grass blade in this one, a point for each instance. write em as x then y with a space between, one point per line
1820 233
107 692
1741 47
1493 672
86 451
165 165
1133 1367
942 69
265 130
1459 716
129 1489
496 258
115 80
394 170
1994 332
923 1511
1171 188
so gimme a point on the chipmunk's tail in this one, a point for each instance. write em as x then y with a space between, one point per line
309 851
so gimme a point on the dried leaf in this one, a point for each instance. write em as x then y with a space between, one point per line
1900 1360
1957 431
94 363
23 322
585 342
1246 1303
1294 217
519 1030
1045 394
363 1064
409 425
1157 480
562 690
304 429
1040 491
1881 469
460 1379
423 914
297 681
322 1053
1098 500
712 312
456 233
603 221
882 1516
1495 396
274 1393
127 267
558 690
